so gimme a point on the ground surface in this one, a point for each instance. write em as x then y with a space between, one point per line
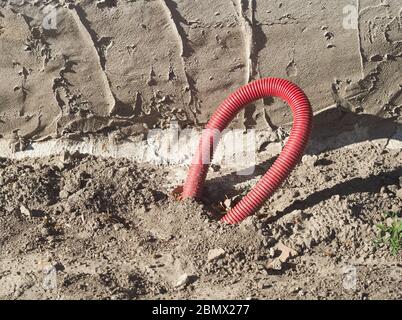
75 227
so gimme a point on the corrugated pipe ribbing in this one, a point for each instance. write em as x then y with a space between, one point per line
283 166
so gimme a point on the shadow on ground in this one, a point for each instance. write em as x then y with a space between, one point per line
333 129
372 184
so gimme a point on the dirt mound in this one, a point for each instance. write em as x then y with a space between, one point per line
76 226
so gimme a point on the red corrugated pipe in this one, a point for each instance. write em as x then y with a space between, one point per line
286 162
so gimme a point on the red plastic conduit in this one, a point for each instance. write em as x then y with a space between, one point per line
282 167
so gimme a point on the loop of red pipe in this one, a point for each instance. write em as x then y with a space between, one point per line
283 166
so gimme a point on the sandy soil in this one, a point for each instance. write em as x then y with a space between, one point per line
78 227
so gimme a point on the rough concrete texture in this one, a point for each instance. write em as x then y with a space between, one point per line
94 66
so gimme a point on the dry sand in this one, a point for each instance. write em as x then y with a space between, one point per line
76 227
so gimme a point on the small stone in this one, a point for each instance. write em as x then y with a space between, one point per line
309 159
275 264
215 254
399 193
25 211
182 281
295 289
286 252
45 232
63 194
301 293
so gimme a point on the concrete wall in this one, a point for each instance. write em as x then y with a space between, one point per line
98 66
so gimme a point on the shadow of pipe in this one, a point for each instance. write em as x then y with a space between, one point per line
217 188
372 184
333 129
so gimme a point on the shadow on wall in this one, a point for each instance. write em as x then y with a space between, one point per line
335 128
